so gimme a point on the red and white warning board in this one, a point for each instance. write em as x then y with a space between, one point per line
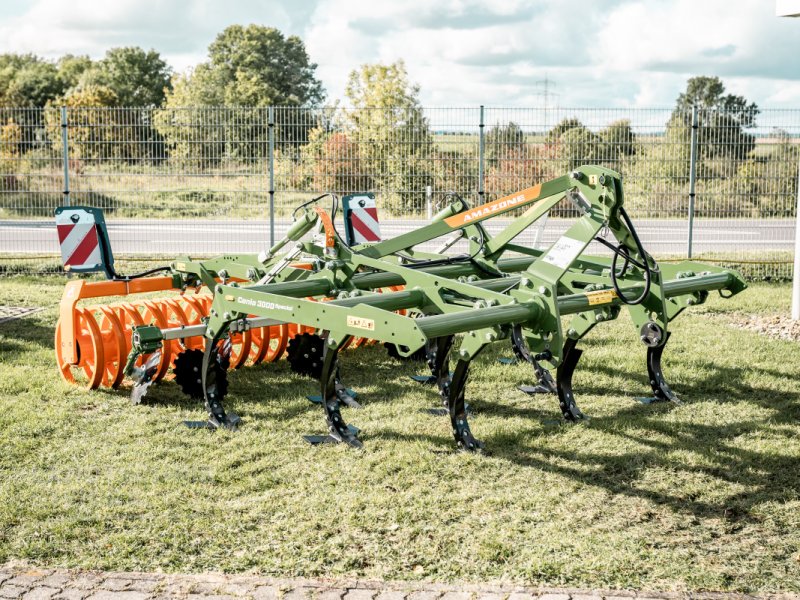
77 236
362 219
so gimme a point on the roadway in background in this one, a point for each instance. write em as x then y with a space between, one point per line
202 238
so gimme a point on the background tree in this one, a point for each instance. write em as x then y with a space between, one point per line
71 68
259 66
139 78
573 144
93 129
392 133
251 66
502 141
27 81
619 141
723 118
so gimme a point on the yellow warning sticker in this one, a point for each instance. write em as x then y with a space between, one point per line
360 323
601 297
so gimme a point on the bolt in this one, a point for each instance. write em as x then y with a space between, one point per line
599 318
543 290
571 332
577 175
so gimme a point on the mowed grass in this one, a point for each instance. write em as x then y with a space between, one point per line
705 495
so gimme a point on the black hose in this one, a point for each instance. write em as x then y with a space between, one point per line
117 277
622 250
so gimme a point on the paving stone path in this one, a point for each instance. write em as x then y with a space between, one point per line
22 582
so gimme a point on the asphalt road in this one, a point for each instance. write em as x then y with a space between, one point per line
199 237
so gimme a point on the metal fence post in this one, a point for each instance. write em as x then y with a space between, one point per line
65 153
692 180
271 135
796 273
481 147
428 198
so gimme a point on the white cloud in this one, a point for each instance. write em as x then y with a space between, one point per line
618 53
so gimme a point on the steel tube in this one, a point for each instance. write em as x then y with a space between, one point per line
364 281
477 318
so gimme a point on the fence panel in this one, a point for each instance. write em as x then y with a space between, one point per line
198 180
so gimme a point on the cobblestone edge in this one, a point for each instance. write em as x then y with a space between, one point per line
19 581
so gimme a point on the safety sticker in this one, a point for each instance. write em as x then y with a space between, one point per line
360 323
563 252
601 297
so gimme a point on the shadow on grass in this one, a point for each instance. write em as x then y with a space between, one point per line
774 477
28 330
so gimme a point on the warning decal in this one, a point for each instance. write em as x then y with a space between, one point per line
601 297
80 246
361 323
564 252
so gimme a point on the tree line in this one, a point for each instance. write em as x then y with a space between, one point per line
382 141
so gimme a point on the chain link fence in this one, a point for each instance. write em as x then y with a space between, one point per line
707 184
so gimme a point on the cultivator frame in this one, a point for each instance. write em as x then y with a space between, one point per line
418 302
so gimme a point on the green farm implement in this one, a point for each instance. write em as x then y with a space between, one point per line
442 307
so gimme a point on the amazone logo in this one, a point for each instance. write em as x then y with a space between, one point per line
497 206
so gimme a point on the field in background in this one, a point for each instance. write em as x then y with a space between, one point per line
222 163
705 495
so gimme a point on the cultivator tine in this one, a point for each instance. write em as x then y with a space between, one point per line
661 390
338 430
144 376
453 395
566 398
438 361
215 386
546 384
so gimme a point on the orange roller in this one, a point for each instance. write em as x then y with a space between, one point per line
279 334
151 313
260 340
175 316
90 352
114 347
240 348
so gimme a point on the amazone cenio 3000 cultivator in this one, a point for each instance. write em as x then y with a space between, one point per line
316 296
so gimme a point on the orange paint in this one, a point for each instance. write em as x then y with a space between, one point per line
495 207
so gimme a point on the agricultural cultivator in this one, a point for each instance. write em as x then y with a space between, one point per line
313 296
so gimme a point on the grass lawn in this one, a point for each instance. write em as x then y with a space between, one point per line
705 495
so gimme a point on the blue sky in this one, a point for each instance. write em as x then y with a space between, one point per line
600 53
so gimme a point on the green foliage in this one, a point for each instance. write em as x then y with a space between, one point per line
259 66
503 141
722 118
71 68
93 129
28 81
10 138
139 78
618 141
389 126
573 143
249 68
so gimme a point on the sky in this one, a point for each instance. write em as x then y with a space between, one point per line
593 53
